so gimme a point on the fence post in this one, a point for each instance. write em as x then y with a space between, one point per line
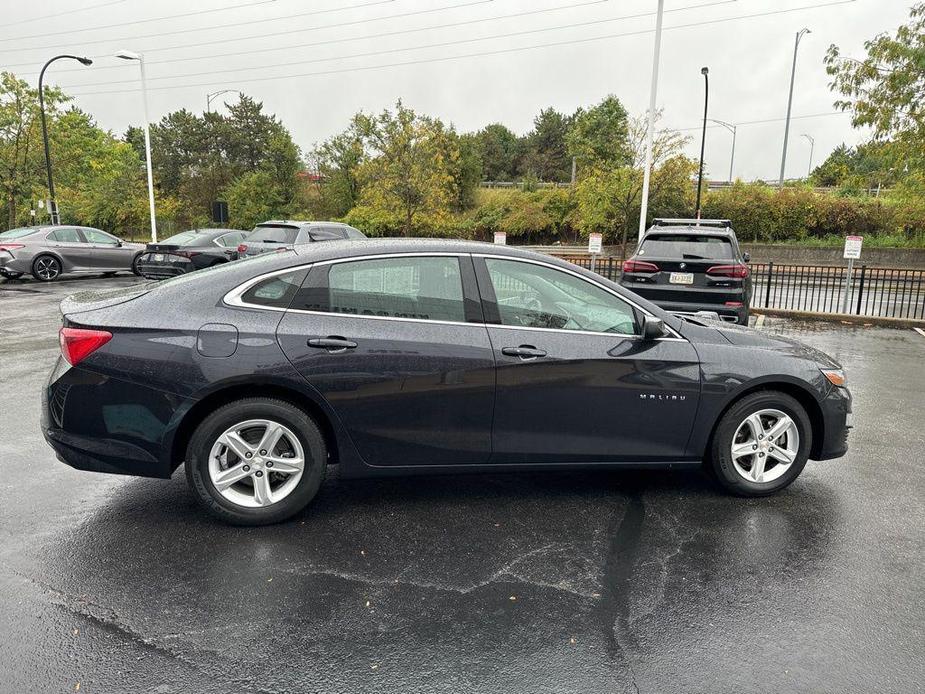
857 309
767 293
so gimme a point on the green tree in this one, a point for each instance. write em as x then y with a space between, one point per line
599 135
545 152
498 149
468 170
337 162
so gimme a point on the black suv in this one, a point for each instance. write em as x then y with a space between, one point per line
691 265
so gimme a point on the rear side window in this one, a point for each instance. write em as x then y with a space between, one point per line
424 288
273 234
65 236
325 234
276 291
230 240
182 239
686 246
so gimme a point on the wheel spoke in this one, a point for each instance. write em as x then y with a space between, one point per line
287 465
270 437
755 425
782 454
228 477
780 426
742 449
238 446
263 495
757 471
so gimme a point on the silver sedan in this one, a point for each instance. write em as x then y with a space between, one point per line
48 252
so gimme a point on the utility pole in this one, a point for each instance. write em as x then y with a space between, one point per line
131 55
650 130
793 72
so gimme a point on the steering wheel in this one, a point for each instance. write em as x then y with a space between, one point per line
531 301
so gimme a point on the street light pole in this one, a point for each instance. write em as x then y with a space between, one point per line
52 203
213 95
793 72
812 146
705 71
731 127
131 55
644 208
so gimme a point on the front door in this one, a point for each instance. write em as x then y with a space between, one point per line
108 251
575 381
397 347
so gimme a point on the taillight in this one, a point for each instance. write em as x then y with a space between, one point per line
737 271
242 247
77 343
639 266
10 246
187 254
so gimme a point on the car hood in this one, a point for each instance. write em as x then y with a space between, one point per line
749 337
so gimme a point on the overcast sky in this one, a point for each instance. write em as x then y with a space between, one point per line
589 49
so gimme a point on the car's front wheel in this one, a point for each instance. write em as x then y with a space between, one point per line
256 461
761 444
135 269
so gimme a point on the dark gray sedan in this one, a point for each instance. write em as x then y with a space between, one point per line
49 252
418 357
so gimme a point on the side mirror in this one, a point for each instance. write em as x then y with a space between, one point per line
652 328
746 257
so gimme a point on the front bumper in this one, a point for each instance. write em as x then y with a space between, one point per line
836 423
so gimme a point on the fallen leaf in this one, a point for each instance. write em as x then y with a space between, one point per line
513 597
269 579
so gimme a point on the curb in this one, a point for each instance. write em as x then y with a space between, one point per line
842 318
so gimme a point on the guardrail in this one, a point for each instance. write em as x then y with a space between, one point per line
874 291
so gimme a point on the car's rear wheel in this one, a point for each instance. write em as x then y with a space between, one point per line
256 461
135 261
761 444
46 268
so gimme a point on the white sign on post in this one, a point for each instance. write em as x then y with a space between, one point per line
501 238
853 247
595 243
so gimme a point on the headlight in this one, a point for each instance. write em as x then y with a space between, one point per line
835 376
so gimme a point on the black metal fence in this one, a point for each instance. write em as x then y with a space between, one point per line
874 291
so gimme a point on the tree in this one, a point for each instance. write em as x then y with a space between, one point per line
546 154
884 90
408 172
498 149
337 161
599 135
468 170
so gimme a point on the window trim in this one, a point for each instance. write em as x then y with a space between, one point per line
233 297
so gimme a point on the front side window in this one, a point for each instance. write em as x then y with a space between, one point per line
536 296
65 236
97 236
424 288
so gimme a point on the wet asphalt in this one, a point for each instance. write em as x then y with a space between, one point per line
565 582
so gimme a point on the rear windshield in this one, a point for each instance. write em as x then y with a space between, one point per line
184 238
272 234
17 233
687 246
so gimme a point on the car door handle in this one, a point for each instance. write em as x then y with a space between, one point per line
332 343
524 352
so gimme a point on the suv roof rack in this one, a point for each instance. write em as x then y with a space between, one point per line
720 223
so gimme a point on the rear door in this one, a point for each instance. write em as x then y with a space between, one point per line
575 382
397 346
72 247
108 253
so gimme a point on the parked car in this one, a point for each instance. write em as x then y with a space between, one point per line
275 235
690 265
422 356
47 252
190 250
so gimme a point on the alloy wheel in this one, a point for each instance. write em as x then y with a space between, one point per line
765 445
47 268
256 463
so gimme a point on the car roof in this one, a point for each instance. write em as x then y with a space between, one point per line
296 222
690 230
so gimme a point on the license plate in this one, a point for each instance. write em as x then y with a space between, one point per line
157 257
681 278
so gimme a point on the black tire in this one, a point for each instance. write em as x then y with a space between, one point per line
720 461
135 269
11 275
212 427
46 268
743 319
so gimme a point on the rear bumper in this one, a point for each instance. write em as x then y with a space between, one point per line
10 264
680 299
159 271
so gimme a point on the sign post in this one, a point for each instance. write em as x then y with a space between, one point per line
852 252
501 238
595 245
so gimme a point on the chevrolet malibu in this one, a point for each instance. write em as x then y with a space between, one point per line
403 357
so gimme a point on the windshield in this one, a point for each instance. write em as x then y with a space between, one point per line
690 246
184 238
17 233
272 234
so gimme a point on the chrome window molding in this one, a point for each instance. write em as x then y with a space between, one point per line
233 297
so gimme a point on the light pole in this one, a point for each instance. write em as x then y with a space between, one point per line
793 72
644 207
131 55
213 95
812 146
731 127
705 71
52 203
